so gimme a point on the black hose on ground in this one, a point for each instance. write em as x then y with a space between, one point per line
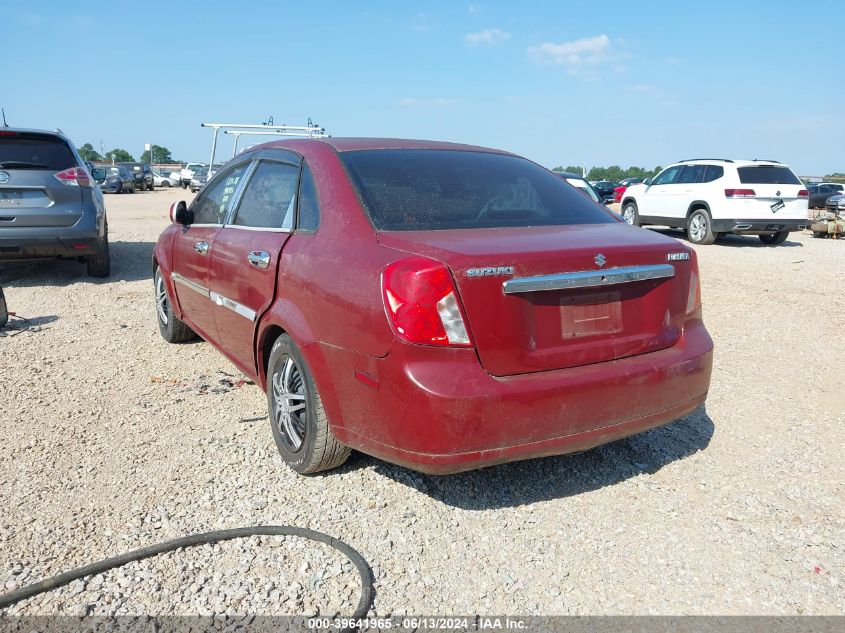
364 602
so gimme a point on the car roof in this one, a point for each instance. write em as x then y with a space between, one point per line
348 144
569 174
737 162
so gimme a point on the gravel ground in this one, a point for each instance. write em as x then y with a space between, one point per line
115 439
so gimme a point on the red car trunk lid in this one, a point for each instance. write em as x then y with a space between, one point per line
529 331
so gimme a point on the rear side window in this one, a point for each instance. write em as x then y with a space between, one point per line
211 205
309 206
269 197
767 175
713 172
409 190
35 151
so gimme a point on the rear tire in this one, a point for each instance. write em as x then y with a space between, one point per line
774 238
172 330
630 213
297 417
699 228
100 265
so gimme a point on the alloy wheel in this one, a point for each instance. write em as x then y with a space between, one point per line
290 408
628 214
161 299
698 227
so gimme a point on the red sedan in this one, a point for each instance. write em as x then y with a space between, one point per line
440 306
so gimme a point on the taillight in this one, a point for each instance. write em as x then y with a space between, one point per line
422 304
74 177
739 193
694 296
803 194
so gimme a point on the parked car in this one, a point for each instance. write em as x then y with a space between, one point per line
188 172
160 180
50 205
439 306
199 179
619 191
114 179
712 197
143 174
605 189
821 192
580 184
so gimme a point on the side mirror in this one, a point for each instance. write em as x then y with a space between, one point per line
647 182
180 214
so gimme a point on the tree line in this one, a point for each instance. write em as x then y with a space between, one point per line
159 153
614 172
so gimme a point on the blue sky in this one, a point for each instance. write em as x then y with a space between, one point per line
567 82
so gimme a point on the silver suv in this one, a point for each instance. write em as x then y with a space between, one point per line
50 206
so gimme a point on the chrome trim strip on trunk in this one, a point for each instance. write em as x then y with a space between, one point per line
234 306
588 278
176 277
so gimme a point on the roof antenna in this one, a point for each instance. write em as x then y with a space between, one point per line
4 117
270 121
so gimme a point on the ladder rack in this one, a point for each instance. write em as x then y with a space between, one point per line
307 131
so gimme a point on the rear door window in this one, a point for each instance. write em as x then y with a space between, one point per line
211 205
269 198
35 151
767 175
691 174
408 190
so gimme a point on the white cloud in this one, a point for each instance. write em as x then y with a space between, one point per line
489 37
586 51
474 8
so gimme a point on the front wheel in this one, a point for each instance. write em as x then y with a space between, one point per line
630 214
774 238
699 229
297 417
172 330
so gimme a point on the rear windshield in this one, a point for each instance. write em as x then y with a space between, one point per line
767 175
411 190
35 151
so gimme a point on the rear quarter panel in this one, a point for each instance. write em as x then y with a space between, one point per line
329 281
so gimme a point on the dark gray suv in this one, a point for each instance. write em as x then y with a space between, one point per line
50 206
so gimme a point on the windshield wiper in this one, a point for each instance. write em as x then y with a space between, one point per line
19 164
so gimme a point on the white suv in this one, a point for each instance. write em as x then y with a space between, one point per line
711 197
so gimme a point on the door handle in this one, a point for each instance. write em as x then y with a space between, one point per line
259 259
201 248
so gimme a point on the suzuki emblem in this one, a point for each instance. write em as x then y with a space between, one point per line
600 260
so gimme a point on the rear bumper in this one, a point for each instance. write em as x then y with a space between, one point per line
769 225
438 411
12 248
